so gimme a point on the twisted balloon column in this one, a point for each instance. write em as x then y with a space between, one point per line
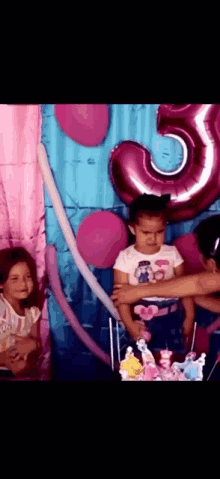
51 262
80 263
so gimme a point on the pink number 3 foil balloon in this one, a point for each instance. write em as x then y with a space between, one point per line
196 184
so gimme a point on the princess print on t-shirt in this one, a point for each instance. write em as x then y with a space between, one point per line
160 273
143 272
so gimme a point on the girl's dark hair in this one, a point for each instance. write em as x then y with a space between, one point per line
207 232
10 257
150 205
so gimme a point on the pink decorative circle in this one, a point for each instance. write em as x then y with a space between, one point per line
85 124
100 238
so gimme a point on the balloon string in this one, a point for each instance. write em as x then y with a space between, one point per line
111 343
68 234
194 332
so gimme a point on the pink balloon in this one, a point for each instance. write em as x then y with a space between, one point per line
194 187
187 247
100 238
85 124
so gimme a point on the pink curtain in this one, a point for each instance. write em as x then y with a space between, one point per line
22 216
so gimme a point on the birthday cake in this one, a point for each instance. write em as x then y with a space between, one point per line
131 368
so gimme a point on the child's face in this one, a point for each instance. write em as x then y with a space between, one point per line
149 234
19 284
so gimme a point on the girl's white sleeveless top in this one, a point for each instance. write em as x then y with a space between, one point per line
12 323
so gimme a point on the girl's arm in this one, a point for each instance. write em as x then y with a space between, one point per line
22 357
33 339
187 301
188 304
190 285
35 332
124 310
2 358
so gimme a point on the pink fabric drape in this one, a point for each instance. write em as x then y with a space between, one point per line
22 215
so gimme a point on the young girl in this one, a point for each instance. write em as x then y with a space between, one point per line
149 260
201 286
20 300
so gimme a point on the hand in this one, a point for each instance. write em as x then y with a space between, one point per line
136 329
22 356
17 365
24 345
125 294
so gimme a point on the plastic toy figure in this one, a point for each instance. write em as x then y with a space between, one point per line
151 372
193 370
130 368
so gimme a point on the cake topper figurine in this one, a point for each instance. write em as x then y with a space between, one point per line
151 372
166 371
165 361
193 370
130 368
147 356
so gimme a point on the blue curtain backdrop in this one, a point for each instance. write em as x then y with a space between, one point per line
81 174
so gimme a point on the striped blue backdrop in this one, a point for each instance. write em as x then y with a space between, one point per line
81 174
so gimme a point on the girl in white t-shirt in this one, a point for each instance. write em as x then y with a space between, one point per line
20 311
147 261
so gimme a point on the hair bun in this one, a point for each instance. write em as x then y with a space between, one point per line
155 203
165 198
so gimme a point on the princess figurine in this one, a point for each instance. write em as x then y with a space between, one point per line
166 370
151 372
193 370
131 368
169 372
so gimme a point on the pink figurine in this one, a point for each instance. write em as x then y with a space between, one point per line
166 371
151 372
165 361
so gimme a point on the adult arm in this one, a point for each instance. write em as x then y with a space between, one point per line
190 285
